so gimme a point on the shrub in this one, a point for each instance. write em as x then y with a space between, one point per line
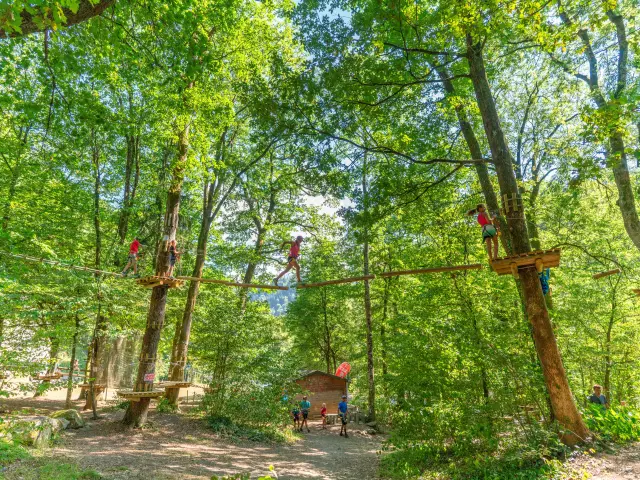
620 424
164 406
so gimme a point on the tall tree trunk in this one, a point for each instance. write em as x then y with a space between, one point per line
74 346
617 159
367 298
555 376
327 331
136 414
131 178
183 327
87 370
607 346
476 153
101 322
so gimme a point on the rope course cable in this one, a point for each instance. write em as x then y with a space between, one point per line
60 264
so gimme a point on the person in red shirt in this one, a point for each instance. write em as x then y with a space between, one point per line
323 414
489 230
292 260
133 257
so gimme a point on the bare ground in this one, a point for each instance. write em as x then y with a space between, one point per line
182 447
624 464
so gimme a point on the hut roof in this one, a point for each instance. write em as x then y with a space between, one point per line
307 373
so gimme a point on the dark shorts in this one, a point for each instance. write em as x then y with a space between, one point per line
296 416
133 256
172 261
323 415
291 258
305 414
343 418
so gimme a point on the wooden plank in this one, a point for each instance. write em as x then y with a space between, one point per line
233 284
336 282
166 385
549 258
132 394
605 274
419 271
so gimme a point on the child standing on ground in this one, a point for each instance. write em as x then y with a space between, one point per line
173 256
133 257
296 417
305 406
292 260
489 229
323 414
342 413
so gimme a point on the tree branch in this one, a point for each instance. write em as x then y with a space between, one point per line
28 23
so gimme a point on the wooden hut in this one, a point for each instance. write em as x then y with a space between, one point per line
322 388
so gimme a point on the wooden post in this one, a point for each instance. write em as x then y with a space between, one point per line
539 265
514 270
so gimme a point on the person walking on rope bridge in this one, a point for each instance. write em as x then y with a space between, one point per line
305 406
343 408
173 256
489 229
133 257
292 260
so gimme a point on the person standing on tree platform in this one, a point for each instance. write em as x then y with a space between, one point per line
597 397
292 260
133 257
343 409
489 229
173 256
305 406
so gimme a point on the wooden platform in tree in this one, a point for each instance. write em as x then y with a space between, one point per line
154 281
49 376
606 274
136 396
169 385
539 260
96 387
636 291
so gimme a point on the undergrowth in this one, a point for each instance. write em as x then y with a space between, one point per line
264 433
48 469
10 452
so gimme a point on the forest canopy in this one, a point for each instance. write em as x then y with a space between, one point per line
371 129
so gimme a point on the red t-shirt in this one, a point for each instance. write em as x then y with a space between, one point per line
483 220
323 411
294 251
134 246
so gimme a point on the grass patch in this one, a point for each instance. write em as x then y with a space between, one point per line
522 464
270 433
9 453
49 469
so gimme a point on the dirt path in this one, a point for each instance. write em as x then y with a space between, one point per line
623 465
182 447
